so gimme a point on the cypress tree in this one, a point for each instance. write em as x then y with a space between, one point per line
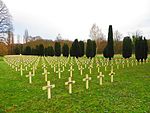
65 50
75 48
140 49
89 49
71 52
50 51
34 51
145 49
41 50
37 50
81 44
94 48
127 47
105 52
17 50
57 49
46 51
137 47
109 49
27 50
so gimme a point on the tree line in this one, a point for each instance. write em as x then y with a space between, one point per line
77 49
139 46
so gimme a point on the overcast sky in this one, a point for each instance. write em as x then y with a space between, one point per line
74 18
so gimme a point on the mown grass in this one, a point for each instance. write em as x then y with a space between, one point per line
130 92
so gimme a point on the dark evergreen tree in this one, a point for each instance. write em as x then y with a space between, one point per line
65 50
137 47
105 52
37 52
109 49
50 51
75 48
94 48
145 49
89 49
46 51
16 50
141 49
27 50
71 52
81 45
127 47
41 50
57 49
33 51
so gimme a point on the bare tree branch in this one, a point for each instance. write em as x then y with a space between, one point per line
5 19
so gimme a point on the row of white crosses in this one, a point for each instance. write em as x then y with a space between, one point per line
70 82
22 61
31 74
19 62
59 71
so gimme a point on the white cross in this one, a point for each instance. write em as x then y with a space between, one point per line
127 63
45 73
54 68
117 65
71 69
21 70
87 78
59 72
132 63
44 67
90 67
100 76
16 68
98 66
48 87
111 74
70 82
30 77
33 69
26 68
81 70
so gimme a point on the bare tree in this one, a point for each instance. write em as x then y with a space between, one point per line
117 35
6 27
96 33
5 19
138 33
117 42
10 42
58 38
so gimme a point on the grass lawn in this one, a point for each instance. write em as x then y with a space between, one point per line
130 91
